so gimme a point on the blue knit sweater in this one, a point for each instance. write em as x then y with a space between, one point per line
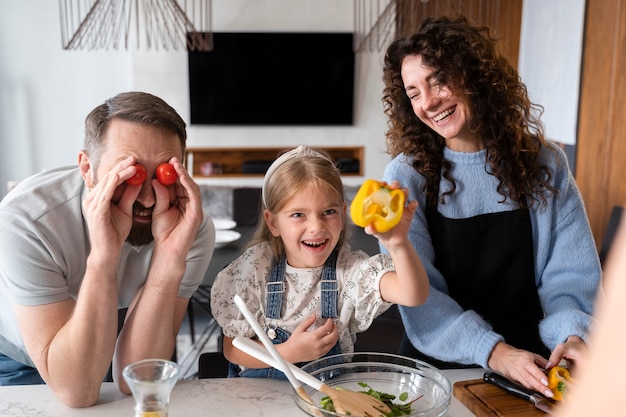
567 268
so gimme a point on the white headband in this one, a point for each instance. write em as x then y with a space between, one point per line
301 151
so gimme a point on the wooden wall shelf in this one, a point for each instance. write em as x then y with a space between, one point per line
253 162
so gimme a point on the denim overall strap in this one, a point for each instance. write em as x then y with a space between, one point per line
275 289
276 286
330 290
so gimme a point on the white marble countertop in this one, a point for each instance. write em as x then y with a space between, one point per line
234 397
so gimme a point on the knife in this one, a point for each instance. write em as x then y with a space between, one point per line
539 401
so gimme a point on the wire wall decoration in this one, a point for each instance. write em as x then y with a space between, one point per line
374 24
378 22
187 24
115 24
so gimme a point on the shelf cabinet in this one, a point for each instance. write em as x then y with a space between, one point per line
253 162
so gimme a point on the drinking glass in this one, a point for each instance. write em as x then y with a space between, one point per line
151 382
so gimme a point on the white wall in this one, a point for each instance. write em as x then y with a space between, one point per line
552 72
46 92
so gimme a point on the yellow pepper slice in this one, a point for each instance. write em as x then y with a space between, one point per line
558 379
377 204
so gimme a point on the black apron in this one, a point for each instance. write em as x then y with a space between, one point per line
488 264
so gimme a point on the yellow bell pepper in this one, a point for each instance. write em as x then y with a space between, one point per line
558 379
377 204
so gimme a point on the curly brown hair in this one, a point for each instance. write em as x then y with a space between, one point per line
464 56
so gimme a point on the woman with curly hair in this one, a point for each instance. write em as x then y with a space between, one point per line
501 226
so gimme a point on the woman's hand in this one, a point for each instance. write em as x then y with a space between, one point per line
573 351
521 366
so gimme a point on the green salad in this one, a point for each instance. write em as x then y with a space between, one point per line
387 399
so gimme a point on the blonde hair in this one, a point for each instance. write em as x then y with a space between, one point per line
292 172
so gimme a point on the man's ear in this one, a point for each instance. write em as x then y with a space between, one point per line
86 169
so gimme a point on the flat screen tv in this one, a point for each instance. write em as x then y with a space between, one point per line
273 78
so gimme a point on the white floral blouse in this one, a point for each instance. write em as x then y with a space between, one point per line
358 278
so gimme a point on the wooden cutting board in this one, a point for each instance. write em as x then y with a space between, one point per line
487 400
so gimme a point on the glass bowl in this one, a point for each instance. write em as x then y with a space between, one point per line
387 373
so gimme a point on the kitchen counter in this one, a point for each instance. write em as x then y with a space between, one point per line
245 397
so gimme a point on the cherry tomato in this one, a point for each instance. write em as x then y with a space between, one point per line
166 174
139 177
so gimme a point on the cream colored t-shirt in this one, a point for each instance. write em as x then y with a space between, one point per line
359 300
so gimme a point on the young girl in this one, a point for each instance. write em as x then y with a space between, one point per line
306 287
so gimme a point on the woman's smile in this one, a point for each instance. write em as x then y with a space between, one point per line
444 114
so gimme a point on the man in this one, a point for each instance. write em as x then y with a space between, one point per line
80 243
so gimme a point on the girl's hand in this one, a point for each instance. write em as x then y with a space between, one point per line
378 204
306 345
398 235
408 285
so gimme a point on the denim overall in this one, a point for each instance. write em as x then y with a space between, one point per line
273 304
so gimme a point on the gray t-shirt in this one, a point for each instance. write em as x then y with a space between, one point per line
44 248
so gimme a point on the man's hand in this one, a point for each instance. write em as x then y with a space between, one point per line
110 221
174 226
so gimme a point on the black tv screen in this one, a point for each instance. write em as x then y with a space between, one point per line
273 78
